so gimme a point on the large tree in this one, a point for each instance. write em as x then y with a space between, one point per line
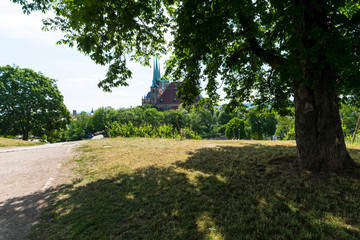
265 51
30 103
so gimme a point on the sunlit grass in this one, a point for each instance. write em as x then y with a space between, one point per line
6 142
168 189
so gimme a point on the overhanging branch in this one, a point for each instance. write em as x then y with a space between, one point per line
267 56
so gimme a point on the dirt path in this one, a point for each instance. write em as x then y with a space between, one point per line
28 175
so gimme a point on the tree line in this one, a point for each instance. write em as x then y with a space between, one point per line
32 106
252 124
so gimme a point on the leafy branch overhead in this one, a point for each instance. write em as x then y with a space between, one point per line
110 32
249 45
266 52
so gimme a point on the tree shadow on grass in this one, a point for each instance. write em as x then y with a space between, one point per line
217 193
19 214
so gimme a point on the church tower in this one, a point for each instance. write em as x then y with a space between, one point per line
157 87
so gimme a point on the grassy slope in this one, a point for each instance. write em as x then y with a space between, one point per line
169 189
5 142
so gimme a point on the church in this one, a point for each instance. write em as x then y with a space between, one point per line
162 93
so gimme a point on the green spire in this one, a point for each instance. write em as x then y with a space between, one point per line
156 74
157 70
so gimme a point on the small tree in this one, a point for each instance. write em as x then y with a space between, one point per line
124 116
76 131
286 127
30 103
153 117
235 128
349 116
178 119
201 121
261 122
101 117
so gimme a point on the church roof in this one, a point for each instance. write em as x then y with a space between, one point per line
169 95
148 95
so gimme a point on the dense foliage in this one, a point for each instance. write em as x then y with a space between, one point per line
262 123
31 105
146 120
308 50
251 44
149 131
235 129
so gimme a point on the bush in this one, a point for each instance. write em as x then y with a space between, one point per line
114 129
233 127
165 131
189 134
146 131
75 131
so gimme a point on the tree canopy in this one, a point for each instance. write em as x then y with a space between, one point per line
262 123
30 103
235 129
249 44
265 52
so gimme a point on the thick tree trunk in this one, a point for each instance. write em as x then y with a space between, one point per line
319 136
25 135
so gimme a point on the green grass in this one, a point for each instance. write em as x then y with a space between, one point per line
6 142
168 189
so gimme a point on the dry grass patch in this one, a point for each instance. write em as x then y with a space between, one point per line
5 142
140 188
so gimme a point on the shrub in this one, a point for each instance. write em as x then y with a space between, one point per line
165 131
233 127
75 131
114 129
189 134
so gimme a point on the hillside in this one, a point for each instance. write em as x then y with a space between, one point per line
137 188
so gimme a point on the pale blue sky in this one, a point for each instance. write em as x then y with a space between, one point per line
23 43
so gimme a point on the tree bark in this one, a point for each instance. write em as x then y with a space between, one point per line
319 136
25 135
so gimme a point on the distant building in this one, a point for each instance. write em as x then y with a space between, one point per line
157 88
74 114
162 93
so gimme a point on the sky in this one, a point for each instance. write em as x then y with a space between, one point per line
23 43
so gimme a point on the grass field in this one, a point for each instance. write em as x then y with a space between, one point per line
6 142
197 189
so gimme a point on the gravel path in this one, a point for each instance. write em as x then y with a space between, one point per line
28 176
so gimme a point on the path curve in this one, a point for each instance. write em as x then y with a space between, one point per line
28 175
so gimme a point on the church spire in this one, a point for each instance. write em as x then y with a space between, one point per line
156 74
157 70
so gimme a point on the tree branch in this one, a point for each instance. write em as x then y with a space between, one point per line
267 56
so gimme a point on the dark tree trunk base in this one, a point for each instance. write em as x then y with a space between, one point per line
319 136
25 135
325 163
